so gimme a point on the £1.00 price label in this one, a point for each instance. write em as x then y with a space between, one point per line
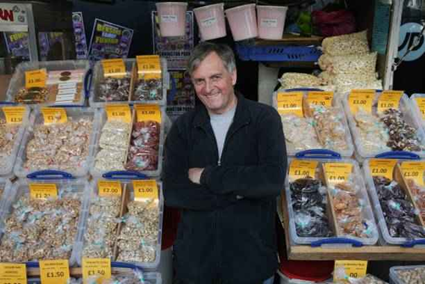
320 98
14 115
54 115
361 99
302 169
145 189
337 172
54 271
13 273
149 67
421 105
114 68
414 171
349 269
119 112
290 103
148 113
43 190
99 268
35 78
382 167
389 99
109 188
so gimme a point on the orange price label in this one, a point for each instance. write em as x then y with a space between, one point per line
114 68
14 115
421 105
414 171
361 99
109 188
43 190
337 172
54 271
35 78
119 112
349 269
382 167
145 189
99 268
148 113
389 99
149 67
290 103
13 273
320 98
302 168
54 115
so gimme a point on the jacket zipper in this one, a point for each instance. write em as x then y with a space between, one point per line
228 137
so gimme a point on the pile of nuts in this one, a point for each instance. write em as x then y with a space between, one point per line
114 89
411 276
8 134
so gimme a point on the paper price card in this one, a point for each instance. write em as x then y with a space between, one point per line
96 267
421 105
149 67
113 68
13 273
382 167
414 170
345 269
14 115
54 115
389 99
119 112
35 78
320 98
290 103
301 169
145 189
361 99
109 188
148 113
54 271
337 172
43 190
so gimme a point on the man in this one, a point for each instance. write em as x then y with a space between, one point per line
225 163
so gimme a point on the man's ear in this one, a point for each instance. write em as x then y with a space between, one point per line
234 77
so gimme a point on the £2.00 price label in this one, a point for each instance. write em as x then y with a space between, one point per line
361 99
114 68
13 273
389 99
320 98
290 103
337 172
414 170
148 113
109 188
14 115
97 267
420 101
43 190
145 189
382 167
302 169
119 112
149 67
54 115
54 271
35 78
349 269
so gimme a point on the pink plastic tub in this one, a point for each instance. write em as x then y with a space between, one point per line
271 21
243 22
211 21
172 18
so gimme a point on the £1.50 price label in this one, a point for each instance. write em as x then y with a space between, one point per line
302 169
54 271
13 273
382 167
119 112
43 190
337 172
109 188
389 99
54 115
361 99
414 171
420 101
148 113
35 78
114 68
149 67
320 98
98 268
290 103
14 114
145 189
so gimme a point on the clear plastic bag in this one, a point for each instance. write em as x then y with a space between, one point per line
299 133
363 64
291 80
355 43
373 135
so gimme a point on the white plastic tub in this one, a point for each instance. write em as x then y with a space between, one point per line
243 22
211 21
172 18
271 21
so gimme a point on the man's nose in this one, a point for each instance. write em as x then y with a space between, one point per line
208 86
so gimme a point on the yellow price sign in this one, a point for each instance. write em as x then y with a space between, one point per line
382 167
290 103
97 267
361 99
35 78
337 172
421 105
145 189
320 98
119 112
14 115
114 68
54 271
389 99
148 113
43 190
109 188
149 66
414 171
13 273
54 115
349 269
301 169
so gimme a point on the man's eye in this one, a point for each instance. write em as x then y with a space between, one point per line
216 78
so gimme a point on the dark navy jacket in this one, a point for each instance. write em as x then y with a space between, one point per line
227 230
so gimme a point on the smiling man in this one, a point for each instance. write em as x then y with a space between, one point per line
225 163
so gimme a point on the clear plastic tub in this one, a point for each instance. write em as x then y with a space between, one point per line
124 174
36 118
242 21
211 21
76 188
408 115
130 65
18 80
396 279
335 103
415 107
7 163
341 240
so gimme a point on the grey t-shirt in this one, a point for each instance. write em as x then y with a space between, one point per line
220 124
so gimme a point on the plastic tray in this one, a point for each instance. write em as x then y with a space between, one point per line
36 118
394 279
408 115
336 103
333 241
6 184
416 110
129 63
75 186
18 79
124 174
278 53
10 161
386 238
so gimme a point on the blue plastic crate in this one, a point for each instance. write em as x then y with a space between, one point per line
278 53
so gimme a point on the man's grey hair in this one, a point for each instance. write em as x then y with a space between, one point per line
203 49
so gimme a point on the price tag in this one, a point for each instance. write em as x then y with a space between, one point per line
97 267
421 105
114 68
54 115
301 169
119 112
149 67
35 78
43 190
337 172
345 269
382 167
109 188
414 170
389 99
54 271
361 99
14 115
145 189
290 103
320 98
13 273
148 113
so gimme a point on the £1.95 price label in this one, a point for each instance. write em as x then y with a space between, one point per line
148 113
145 189
119 112
114 68
54 271
302 169
149 67
389 99
35 78
109 188
382 167
337 172
290 103
54 115
98 268
14 114
43 190
361 99
13 273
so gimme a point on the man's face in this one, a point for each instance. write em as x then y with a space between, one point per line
214 84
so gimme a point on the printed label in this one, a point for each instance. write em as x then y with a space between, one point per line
337 172
114 68
54 115
54 271
414 171
149 67
13 273
382 167
145 189
290 103
268 23
421 105
302 169
109 188
43 190
361 99
208 22
35 78
119 112
14 115
169 18
389 99
148 113
97 267
349 269
320 98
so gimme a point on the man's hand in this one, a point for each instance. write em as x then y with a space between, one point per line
195 175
